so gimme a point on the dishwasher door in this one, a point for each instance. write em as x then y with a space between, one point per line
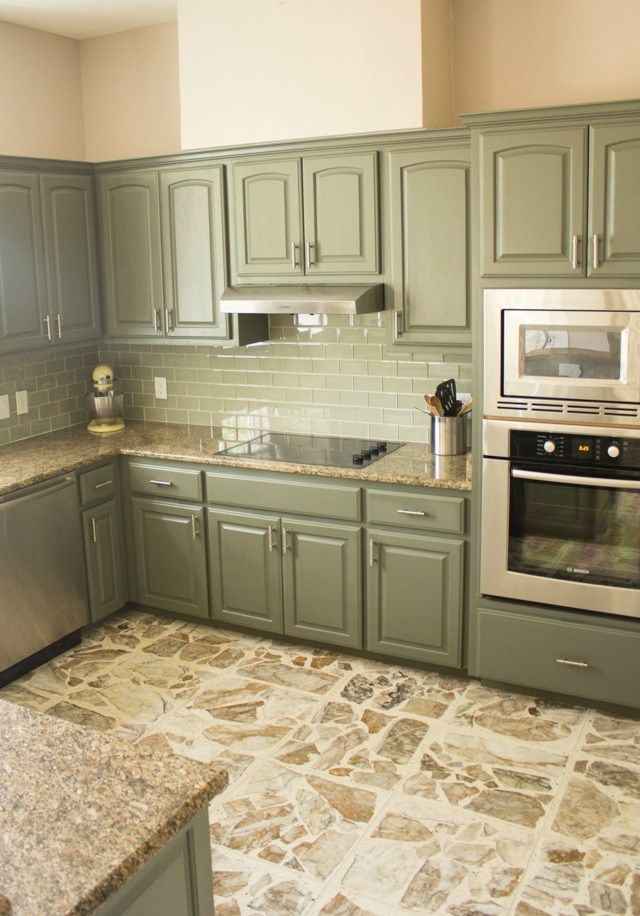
43 594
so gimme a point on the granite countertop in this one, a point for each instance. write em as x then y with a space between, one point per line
33 460
81 812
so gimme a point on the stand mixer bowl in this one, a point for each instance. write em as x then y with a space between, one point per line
105 406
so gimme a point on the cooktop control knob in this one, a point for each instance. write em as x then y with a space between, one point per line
549 446
357 458
613 451
381 446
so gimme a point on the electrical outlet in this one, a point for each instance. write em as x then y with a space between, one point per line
4 407
160 384
22 402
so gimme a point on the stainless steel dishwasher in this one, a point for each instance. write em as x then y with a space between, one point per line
43 597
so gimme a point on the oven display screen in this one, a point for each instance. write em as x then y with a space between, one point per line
582 447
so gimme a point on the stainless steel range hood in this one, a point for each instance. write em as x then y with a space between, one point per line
303 300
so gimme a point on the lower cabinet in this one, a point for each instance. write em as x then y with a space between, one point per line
414 596
170 553
244 569
102 528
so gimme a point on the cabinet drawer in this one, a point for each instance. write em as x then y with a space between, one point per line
534 651
98 484
303 497
414 510
164 480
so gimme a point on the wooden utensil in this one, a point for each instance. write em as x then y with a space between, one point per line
434 405
466 407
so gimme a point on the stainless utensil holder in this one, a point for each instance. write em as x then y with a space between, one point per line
449 435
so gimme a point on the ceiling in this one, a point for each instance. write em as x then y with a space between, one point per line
87 18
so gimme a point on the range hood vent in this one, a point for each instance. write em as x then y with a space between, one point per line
302 300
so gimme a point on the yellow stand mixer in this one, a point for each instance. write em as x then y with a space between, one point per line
105 402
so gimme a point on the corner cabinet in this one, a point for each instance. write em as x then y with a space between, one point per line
429 194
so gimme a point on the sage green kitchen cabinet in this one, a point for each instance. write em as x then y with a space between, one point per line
70 252
268 218
194 256
614 201
24 313
170 556
103 539
129 205
414 596
429 190
340 194
532 190
321 566
244 568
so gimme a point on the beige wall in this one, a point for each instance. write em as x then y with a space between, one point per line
40 98
276 69
437 64
526 53
130 93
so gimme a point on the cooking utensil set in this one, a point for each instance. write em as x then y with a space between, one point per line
445 403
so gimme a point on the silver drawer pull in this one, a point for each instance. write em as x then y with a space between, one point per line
419 512
100 486
272 543
162 483
194 527
94 533
572 664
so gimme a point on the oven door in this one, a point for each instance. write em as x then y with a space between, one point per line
562 539
576 355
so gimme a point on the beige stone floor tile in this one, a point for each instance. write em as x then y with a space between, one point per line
343 903
278 671
242 886
200 647
612 738
411 691
20 694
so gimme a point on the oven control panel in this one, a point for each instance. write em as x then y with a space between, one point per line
569 448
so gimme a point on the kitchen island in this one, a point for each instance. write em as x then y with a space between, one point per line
91 824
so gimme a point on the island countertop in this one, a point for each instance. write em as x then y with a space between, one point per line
62 452
81 812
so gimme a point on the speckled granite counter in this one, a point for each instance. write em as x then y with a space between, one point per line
33 460
81 812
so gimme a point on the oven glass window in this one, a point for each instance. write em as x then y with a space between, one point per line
579 533
572 352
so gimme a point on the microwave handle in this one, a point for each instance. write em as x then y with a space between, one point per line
609 482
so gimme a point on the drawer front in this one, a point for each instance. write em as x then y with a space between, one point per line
415 510
303 497
98 484
537 652
165 480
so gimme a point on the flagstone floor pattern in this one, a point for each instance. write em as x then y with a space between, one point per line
359 787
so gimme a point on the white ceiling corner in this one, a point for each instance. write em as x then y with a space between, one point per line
87 18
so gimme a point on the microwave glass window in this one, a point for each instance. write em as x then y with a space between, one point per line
563 352
573 532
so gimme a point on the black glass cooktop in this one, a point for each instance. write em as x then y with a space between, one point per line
331 451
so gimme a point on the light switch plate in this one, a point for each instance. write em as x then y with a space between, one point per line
4 407
22 402
160 384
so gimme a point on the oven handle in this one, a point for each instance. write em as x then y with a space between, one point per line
575 478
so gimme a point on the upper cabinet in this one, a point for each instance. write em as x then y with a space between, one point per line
429 192
315 216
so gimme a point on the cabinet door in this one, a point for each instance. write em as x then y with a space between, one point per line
244 567
341 214
414 597
321 582
192 207
69 238
268 218
430 245
170 556
614 201
532 202
103 538
23 301
131 253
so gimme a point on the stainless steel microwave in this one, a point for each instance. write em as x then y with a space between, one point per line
567 353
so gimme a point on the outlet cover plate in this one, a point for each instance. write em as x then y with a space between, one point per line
4 407
22 402
160 385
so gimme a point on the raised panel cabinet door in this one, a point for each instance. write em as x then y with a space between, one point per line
24 318
533 188
244 569
131 253
321 571
70 253
171 558
414 597
341 213
103 543
614 201
193 234
268 218
430 245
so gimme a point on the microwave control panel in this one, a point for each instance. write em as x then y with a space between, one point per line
568 448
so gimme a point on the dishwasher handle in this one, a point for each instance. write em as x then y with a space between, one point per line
26 494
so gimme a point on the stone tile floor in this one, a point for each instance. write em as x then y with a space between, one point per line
358 787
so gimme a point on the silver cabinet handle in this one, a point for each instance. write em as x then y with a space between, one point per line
612 483
571 663
596 251
575 245
59 323
157 321
308 248
168 319
162 483
94 532
398 323
372 556
419 512
194 527
285 546
47 322
100 486
272 543
294 255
